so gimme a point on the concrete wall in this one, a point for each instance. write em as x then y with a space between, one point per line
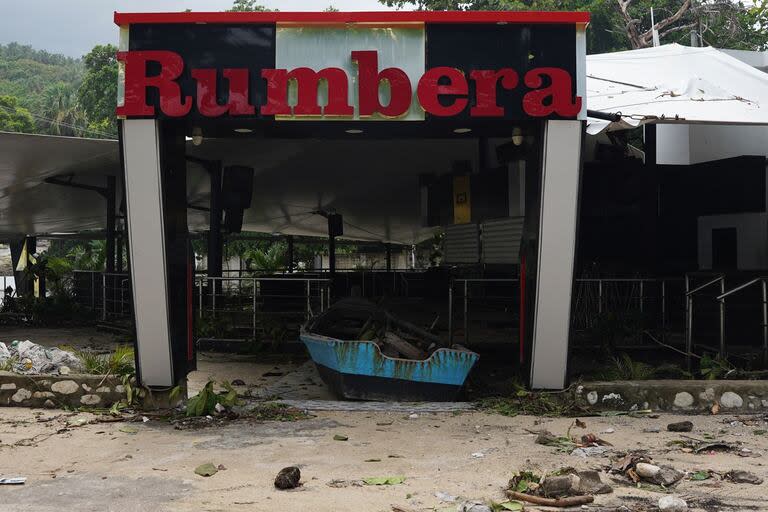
692 144
751 239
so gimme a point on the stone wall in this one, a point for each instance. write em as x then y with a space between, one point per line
676 395
58 391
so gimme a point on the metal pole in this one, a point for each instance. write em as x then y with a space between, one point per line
450 313
689 333
466 312
103 296
309 307
200 294
93 290
110 232
253 291
641 295
213 295
600 296
722 319
765 322
663 307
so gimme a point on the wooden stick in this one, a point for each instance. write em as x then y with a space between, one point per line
683 352
572 501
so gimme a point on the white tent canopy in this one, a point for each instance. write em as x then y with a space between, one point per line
674 83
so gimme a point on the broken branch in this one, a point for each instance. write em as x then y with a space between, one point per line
571 501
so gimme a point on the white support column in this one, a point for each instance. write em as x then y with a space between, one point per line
561 167
146 230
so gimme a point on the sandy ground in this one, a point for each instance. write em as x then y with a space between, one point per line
99 467
150 466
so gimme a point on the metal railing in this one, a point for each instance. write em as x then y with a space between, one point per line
689 305
250 303
469 286
655 301
764 291
5 282
109 294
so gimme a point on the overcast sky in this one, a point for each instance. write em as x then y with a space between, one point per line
73 27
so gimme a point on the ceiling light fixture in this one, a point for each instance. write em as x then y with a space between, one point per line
517 136
243 130
197 136
353 131
462 130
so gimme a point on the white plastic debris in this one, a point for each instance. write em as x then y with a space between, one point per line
36 359
478 455
445 497
4 352
590 451
19 480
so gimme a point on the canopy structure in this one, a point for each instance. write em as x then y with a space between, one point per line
673 84
30 205
372 183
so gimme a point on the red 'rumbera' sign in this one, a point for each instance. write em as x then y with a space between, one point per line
441 91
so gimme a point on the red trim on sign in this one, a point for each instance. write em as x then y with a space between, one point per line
335 18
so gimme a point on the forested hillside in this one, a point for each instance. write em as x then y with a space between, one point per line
42 92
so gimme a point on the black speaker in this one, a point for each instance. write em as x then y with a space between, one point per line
335 225
233 220
237 187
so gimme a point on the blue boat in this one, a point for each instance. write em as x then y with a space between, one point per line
358 370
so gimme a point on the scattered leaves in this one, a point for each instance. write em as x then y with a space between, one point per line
384 480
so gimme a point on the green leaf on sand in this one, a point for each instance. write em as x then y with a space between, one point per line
339 437
700 475
384 480
129 429
206 469
511 505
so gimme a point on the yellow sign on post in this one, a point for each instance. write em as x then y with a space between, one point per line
462 207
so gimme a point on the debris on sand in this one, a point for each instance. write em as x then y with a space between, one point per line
206 470
288 478
638 466
742 477
672 504
589 444
473 506
31 358
680 426
566 487
660 475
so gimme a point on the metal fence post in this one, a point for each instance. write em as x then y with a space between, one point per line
450 313
213 296
466 311
103 297
642 291
93 291
600 296
253 292
689 333
722 319
765 322
200 297
309 306
663 307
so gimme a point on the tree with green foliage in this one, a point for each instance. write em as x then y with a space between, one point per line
247 6
98 92
61 111
626 24
14 117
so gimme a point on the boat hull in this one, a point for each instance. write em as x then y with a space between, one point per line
357 370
